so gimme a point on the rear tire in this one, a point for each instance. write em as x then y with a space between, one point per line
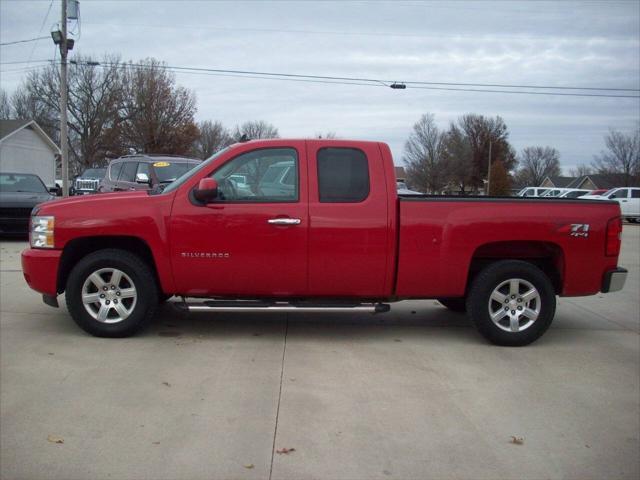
512 303
111 293
458 305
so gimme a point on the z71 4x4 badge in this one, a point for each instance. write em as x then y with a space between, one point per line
580 230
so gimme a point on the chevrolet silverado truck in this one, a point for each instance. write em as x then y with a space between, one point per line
318 225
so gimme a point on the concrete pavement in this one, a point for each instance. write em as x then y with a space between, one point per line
415 393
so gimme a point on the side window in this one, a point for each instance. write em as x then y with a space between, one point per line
635 193
114 171
143 168
265 175
128 172
622 193
528 193
343 175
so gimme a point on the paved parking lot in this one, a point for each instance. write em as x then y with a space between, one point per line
414 393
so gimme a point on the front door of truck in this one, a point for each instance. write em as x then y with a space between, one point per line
252 241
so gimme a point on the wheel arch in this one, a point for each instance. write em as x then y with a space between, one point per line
78 248
547 256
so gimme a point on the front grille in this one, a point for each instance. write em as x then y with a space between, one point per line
86 184
15 212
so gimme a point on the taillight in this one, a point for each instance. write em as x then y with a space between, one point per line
614 237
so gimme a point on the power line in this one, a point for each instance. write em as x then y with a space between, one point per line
44 20
22 41
423 85
23 62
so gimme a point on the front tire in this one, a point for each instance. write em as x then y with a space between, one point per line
512 303
111 293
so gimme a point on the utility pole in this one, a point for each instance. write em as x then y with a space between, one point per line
64 150
489 173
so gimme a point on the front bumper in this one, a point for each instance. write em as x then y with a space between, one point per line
614 280
40 269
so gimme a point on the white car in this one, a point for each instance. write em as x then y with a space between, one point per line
556 192
574 193
404 190
627 197
532 192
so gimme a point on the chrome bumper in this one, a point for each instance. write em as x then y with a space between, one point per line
614 280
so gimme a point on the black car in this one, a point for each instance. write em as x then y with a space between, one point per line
19 193
88 181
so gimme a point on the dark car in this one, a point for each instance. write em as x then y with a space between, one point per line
19 193
142 172
88 181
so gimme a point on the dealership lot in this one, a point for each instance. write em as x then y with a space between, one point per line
414 393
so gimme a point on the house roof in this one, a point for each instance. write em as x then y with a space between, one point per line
400 173
609 180
9 127
561 182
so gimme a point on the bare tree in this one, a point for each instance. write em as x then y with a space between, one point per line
213 137
482 131
25 104
537 163
424 155
329 135
459 159
5 106
622 155
254 130
157 115
581 170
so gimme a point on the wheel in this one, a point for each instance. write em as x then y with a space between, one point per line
454 304
511 302
111 293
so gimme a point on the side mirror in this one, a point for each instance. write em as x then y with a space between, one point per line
143 178
207 190
57 191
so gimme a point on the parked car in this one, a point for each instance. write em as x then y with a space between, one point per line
340 239
19 193
404 190
532 192
627 197
88 181
555 192
142 172
574 193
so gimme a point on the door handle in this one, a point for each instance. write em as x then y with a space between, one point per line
284 221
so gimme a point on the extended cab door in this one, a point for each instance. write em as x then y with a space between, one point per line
252 241
349 220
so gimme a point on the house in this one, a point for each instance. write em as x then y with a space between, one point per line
26 148
401 174
594 181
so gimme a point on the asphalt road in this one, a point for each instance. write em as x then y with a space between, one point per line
415 393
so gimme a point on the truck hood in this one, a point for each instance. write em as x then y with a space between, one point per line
88 201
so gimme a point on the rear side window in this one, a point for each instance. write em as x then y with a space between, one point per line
343 175
114 171
128 173
635 193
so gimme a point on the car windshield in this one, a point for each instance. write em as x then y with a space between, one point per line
189 173
94 173
168 171
13 182
608 192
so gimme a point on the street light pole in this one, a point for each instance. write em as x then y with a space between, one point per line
64 150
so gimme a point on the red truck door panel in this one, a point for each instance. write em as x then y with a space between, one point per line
348 220
253 241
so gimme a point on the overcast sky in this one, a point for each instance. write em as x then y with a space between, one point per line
562 43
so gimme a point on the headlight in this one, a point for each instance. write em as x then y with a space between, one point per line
41 234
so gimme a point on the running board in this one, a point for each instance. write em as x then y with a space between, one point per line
245 306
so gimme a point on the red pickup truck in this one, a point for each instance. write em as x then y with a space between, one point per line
309 225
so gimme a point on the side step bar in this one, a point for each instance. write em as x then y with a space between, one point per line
244 306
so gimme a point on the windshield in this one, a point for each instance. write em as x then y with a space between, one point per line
94 173
12 182
187 175
167 172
